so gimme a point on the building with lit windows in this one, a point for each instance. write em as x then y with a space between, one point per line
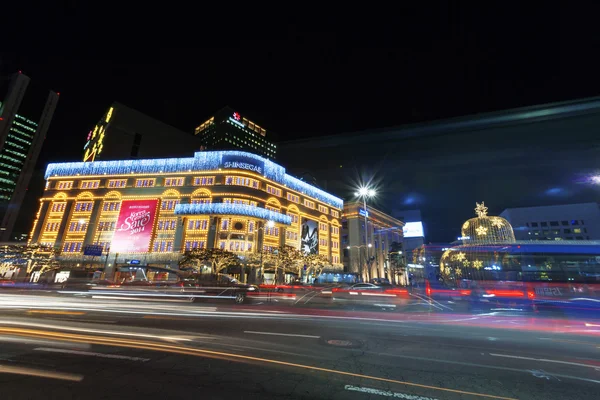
560 222
228 130
153 210
366 251
124 133
26 111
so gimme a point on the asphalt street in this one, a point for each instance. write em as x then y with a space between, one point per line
68 348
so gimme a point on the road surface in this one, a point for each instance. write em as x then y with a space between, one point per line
101 348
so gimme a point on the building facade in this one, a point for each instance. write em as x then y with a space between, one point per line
228 130
154 210
124 133
560 222
367 251
25 115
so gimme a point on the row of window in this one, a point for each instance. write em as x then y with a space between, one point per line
557 231
242 181
236 245
197 224
194 244
200 181
163 246
72 247
111 206
52 226
58 207
555 223
84 206
240 201
106 226
78 227
167 225
168 205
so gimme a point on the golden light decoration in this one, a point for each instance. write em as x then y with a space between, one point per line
481 230
466 263
460 256
481 209
458 272
477 264
484 229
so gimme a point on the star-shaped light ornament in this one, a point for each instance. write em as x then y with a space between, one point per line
481 210
481 230
477 264
460 256
497 222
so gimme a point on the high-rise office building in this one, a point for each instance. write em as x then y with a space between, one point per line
26 111
228 130
124 134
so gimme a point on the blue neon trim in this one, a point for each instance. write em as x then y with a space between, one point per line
232 209
202 161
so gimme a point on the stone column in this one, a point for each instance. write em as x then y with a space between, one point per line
93 223
280 272
179 229
41 220
63 225
211 237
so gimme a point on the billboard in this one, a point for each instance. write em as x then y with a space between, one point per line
134 226
413 229
310 237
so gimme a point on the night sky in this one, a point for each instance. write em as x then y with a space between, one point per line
303 72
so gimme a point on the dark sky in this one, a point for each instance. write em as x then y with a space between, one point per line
302 70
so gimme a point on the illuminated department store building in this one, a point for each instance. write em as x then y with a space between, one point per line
154 210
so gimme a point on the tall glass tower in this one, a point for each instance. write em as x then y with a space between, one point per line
25 115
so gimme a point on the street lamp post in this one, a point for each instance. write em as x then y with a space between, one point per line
365 192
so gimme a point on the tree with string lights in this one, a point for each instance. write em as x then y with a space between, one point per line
217 258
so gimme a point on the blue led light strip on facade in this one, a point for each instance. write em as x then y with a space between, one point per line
202 161
232 209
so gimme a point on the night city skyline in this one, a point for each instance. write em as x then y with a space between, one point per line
387 75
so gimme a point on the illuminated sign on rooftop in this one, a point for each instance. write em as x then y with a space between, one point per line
413 229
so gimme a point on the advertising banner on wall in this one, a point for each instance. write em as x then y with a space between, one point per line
310 237
134 226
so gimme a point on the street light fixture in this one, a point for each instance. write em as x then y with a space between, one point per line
365 192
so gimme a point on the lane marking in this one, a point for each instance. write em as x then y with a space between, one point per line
545 360
569 341
145 345
468 364
57 312
10 369
282 334
165 317
89 353
386 393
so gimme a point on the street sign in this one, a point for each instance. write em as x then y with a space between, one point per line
93 250
134 262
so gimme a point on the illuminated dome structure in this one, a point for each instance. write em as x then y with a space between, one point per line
484 229
482 237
